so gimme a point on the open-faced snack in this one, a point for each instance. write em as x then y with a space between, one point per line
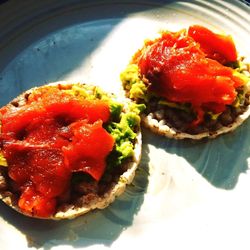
192 81
67 148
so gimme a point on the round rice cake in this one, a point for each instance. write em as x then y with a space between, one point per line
85 195
175 119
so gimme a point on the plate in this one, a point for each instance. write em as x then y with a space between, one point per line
186 195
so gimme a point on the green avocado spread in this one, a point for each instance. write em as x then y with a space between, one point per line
132 82
124 133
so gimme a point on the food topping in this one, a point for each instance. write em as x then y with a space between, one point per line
44 141
218 47
186 67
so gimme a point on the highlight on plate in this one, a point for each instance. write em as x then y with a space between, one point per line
193 82
67 148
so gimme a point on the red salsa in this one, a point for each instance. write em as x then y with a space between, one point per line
187 67
53 135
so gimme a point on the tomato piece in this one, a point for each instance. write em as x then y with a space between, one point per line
53 103
216 46
14 122
73 110
90 142
33 203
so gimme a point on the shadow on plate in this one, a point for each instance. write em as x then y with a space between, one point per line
220 161
97 227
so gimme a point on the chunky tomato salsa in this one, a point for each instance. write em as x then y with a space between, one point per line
44 141
189 67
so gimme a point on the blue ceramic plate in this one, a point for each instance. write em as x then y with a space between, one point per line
186 195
